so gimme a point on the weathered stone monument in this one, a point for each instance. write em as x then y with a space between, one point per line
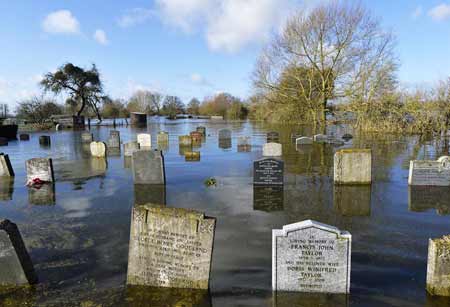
268 198
268 172
98 149
162 137
272 150
114 139
353 166
273 137
196 136
438 266
44 140
202 130
304 140
309 256
185 140
144 140
148 167
24 137
430 173
40 168
87 137
6 169
16 267
244 144
129 148
170 247
192 156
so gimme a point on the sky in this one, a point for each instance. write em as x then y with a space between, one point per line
188 48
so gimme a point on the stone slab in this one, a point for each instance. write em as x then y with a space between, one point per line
162 137
87 137
429 173
309 256
114 139
148 167
98 149
41 168
438 266
6 169
192 156
185 140
268 171
272 150
353 166
144 140
16 267
170 247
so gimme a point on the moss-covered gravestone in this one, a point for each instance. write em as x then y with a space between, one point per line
170 247
16 267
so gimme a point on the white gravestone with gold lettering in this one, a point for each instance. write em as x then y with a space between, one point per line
311 257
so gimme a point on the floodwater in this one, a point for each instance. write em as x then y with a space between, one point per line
77 232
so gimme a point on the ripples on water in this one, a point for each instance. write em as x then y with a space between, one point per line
77 232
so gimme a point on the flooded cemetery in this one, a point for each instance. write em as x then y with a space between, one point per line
224 213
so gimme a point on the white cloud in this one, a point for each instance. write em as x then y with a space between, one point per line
418 11
228 25
100 37
134 17
440 12
61 22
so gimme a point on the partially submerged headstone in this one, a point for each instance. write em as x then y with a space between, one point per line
192 156
40 168
273 137
429 173
24 137
114 139
42 195
268 198
353 166
185 140
144 140
87 137
244 144
6 169
148 167
16 267
268 172
98 149
202 130
162 137
224 134
44 140
304 140
129 148
196 136
309 256
438 266
170 247
272 150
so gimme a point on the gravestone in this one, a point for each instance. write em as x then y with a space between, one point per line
6 169
225 143
6 188
44 140
42 195
320 138
268 198
192 156
268 172
16 267
424 198
24 137
40 168
144 140
243 144
149 194
353 166
170 247
304 140
309 256
273 137
429 173
98 149
114 139
87 137
224 134
272 150
196 136
130 147
162 137
148 167
352 200
438 266
202 130
185 140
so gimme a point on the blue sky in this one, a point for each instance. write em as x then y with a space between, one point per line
186 47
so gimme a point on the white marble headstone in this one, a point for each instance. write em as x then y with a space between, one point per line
98 149
144 140
430 173
272 150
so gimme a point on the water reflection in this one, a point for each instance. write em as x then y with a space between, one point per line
113 152
291 299
42 195
127 162
225 143
6 188
184 149
268 198
151 296
352 200
423 198
149 194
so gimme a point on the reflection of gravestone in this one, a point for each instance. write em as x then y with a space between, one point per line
304 140
98 166
114 139
304 299
144 140
225 143
184 149
40 168
353 166
202 130
192 156
6 188
268 171
6 169
429 173
170 247
148 167
98 149
438 266
113 151
273 137
127 162
24 137
243 144
162 137
87 137
42 195
352 200
311 257
272 150
16 267
423 198
268 198
44 140
137 296
149 194
129 148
